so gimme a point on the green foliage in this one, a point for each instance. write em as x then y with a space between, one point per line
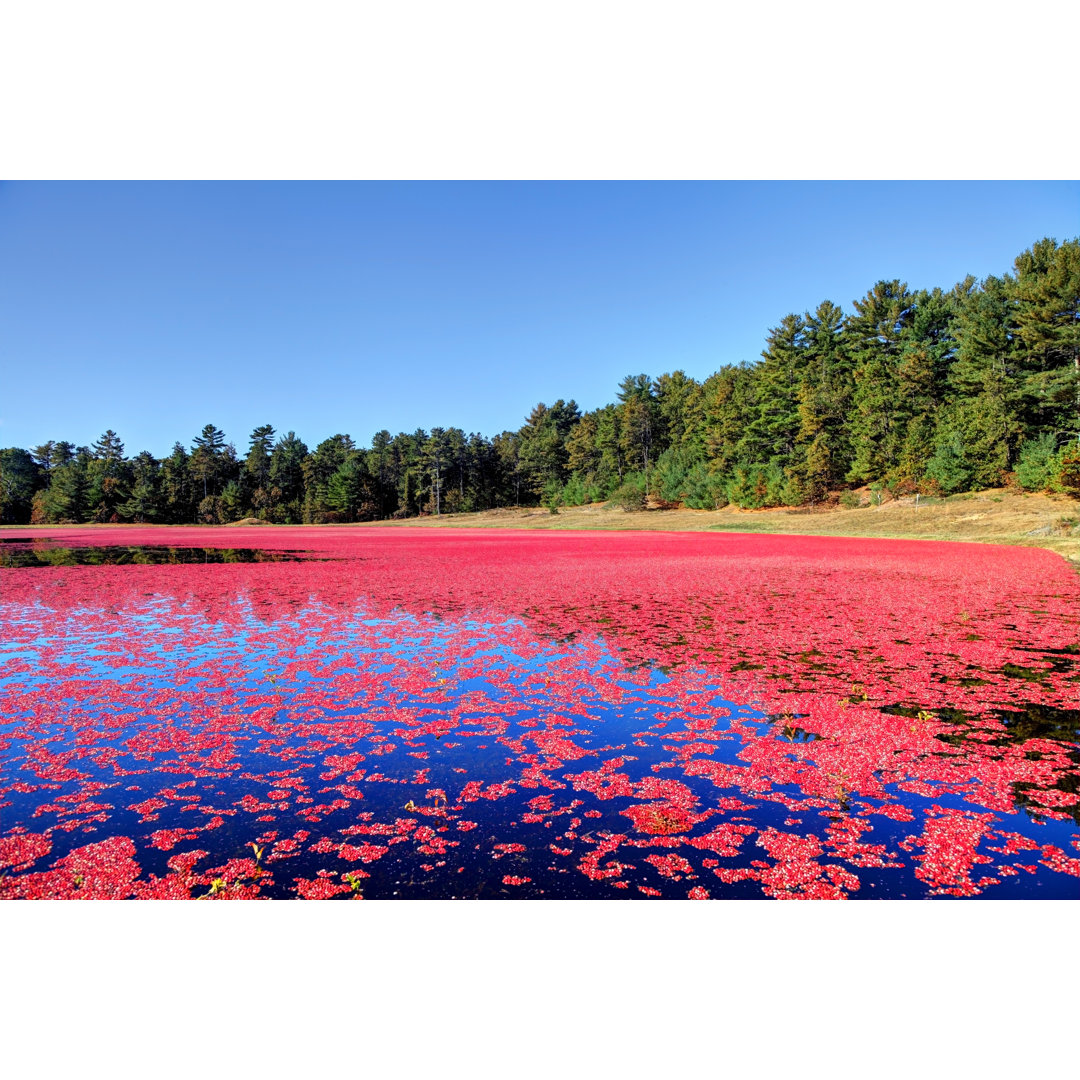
668 482
792 492
287 479
145 501
177 487
1068 474
18 473
232 501
208 459
1038 464
775 423
948 467
704 490
680 410
543 453
68 497
580 490
638 422
755 487
553 496
350 492
212 511
849 500
631 493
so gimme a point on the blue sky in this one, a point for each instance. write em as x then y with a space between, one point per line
155 308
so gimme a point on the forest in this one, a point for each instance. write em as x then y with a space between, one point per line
959 389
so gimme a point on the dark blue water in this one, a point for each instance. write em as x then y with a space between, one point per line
403 675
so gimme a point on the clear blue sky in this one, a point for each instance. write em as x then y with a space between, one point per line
156 308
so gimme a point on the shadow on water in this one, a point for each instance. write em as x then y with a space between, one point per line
31 556
1031 722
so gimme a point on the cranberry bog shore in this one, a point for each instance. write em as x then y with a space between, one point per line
336 713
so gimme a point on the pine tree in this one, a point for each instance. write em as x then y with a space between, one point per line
543 450
379 462
287 479
985 382
875 337
613 465
458 470
18 476
949 466
318 467
178 487
1046 317
435 461
67 499
45 456
349 492
206 459
680 405
730 400
774 423
144 503
256 471
639 422
109 487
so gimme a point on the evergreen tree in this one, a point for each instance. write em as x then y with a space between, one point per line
822 450
680 405
67 500
207 459
108 478
480 472
329 456
584 458
178 487
986 399
511 470
458 470
18 478
639 422
434 453
609 441
730 399
543 452
875 341
349 492
287 480
145 501
1038 462
774 423
45 455
257 470
1046 322
949 467
379 462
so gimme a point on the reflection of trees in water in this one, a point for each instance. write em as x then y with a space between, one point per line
1032 722
18 557
1066 782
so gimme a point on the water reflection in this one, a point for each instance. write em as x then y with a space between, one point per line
22 555
290 732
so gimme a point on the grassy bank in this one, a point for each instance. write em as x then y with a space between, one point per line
989 517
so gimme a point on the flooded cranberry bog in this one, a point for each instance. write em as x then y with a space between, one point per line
346 713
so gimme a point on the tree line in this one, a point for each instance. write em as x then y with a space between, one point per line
924 391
